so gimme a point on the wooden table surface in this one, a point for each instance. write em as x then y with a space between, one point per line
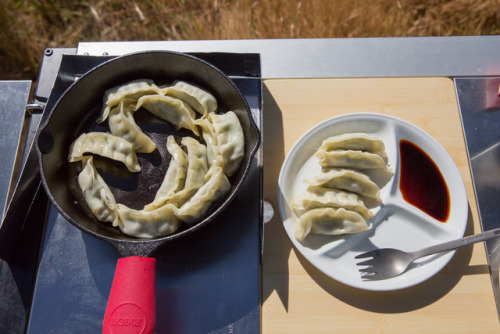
297 297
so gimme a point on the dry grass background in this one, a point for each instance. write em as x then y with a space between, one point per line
27 27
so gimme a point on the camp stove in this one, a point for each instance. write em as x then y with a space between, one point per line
209 283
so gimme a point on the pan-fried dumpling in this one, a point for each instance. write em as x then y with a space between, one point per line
106 145
214 155
230 140
170 109
175 176
349 180
216 187
96 192
132 90
196 172
329 221
319 197
351 159
356 142
147 224
200 100
122 124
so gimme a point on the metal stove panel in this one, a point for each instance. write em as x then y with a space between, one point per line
480 110
13 100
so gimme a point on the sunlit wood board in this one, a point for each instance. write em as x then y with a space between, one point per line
297 297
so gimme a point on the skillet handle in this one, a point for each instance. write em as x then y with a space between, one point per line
132 301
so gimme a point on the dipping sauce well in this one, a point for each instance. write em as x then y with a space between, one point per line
421 183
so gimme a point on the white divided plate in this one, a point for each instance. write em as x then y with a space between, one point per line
396 224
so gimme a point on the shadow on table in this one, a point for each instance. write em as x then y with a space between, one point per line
404 300
277 247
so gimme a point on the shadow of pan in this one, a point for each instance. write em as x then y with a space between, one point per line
277 247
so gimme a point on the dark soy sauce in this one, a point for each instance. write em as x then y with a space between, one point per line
421 183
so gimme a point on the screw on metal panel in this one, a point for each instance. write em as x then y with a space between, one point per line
268 210
48 52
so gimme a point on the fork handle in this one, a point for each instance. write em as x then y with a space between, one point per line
454 244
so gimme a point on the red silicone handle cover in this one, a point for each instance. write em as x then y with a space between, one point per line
132 304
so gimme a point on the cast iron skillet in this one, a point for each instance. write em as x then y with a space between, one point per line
131 302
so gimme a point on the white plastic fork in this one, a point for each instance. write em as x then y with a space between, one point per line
388 262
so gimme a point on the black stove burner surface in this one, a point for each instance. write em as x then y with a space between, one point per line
207 283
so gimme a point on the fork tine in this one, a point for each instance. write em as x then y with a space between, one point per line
366 254
366 263
368 270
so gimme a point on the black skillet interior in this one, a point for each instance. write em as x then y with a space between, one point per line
79 107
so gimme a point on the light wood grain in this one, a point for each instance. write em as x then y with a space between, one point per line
297 298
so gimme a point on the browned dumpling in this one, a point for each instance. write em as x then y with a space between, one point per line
122 124
196 171
196 208
348 180
198 99
131 90
329 221
97 193
230 140
175 177
355 141
319 197
147 224
170 109
351 159
106 145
